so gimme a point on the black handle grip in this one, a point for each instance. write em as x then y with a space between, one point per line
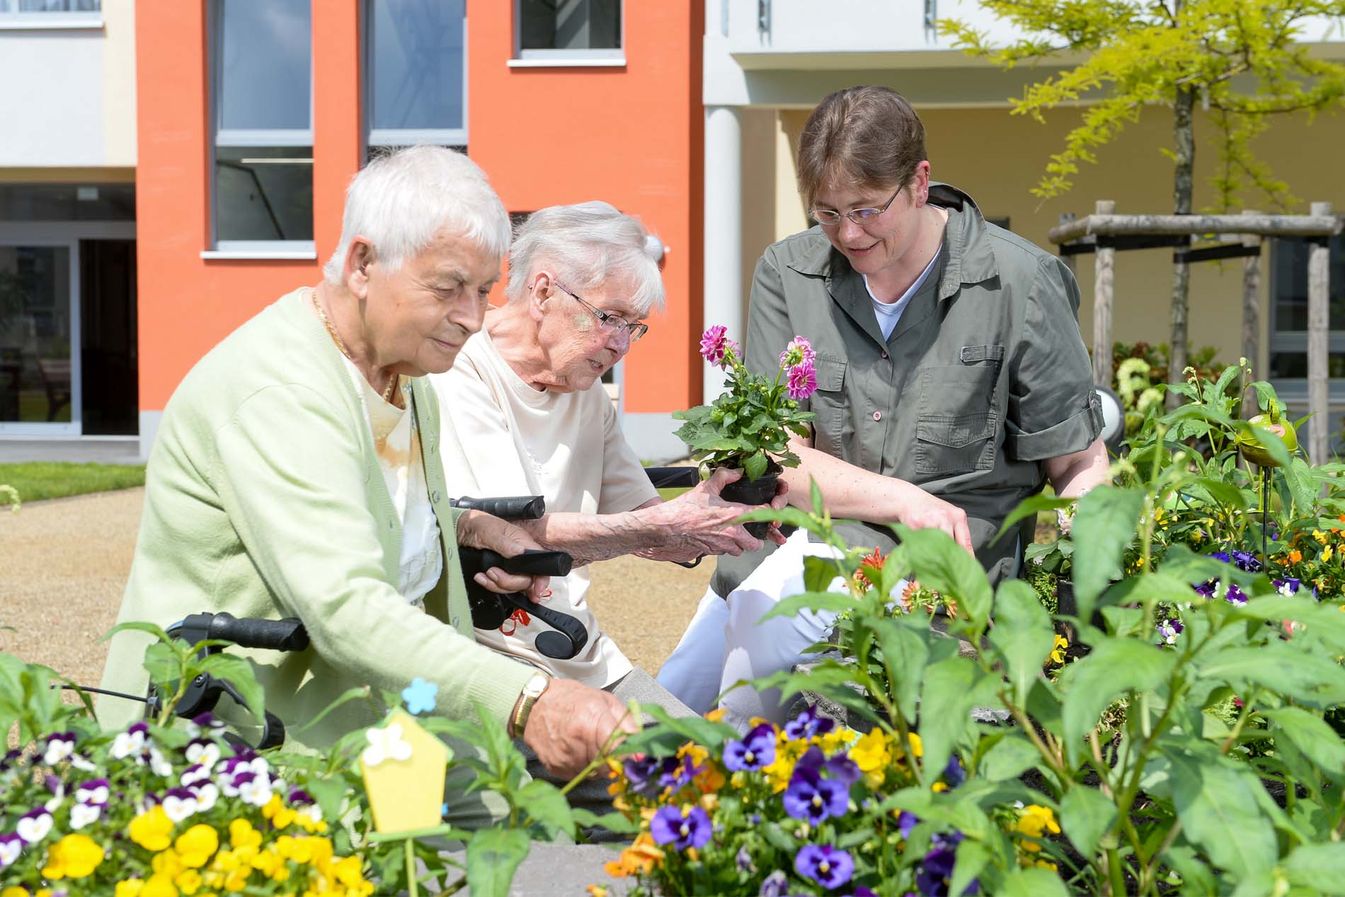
275 635
669 477
532 562
511 507
570 636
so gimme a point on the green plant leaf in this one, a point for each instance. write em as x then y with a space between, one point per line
1213 799
1008 758
972 857
941 564
1103 527
755 465
543 802
905 653
1022 635
952 687
1114 667
1280 667
238 673
1032 882
1085 814
1030 507
493 856
1318 867
1312 735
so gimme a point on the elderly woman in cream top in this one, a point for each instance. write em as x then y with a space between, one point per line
524 412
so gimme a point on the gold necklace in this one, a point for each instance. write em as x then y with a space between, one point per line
340 344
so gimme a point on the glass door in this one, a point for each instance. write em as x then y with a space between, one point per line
39 326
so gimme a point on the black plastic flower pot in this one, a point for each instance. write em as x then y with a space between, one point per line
754 492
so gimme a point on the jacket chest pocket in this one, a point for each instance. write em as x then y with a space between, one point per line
955 431
828 407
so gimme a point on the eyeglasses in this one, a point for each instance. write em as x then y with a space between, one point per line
607 320
831 218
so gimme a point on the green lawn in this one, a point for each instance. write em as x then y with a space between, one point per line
47 479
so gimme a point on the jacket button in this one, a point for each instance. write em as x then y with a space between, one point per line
883 356
877 415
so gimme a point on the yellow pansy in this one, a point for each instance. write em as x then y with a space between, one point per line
872 755
1058 649
22 892
188 882
781 769
152 829
1326 553
196 845
1319 536
242 834
74 856
1036 821
159 886
131 887
280 815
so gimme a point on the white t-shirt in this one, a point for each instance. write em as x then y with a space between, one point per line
502 437
889 313
397 444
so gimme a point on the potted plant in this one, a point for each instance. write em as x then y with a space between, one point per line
749 426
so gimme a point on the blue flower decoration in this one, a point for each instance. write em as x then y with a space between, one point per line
829 866
419 696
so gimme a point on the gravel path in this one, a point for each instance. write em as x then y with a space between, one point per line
64 563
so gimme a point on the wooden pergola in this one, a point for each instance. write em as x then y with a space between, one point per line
1104 232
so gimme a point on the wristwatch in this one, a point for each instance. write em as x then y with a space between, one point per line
532 690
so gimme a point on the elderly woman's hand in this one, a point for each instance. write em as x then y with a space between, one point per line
477 529
700 522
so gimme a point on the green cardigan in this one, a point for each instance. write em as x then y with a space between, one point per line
264 498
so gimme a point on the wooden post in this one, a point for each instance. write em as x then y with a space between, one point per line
1104 265
1251 315
1319 289
1066 218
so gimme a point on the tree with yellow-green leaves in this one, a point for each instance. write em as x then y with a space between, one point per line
1238 59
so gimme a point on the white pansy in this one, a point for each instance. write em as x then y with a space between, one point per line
206 796
385 744
206 753
128 743
158 764
256 792
57 750
98 794
34 828
179 807
84 814
10 848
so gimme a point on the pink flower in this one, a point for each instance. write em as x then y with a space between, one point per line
799 351
802 380
714 344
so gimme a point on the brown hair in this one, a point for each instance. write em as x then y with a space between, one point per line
868 135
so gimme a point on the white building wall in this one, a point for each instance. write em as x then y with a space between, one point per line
69 97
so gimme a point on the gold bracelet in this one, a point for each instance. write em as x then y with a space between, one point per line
532 690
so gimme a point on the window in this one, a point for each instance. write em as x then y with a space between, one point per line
557 31
263 125
414 63
47 14
1289 315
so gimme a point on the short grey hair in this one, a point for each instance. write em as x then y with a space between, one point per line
402 200
588 244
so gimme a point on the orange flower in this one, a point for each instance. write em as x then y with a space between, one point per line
870 569
1295 556
638 859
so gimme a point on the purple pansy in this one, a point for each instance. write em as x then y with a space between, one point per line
774 885
1221 556
839 767
953 773
11 846
639 772
1288 587
743 860
906 823
757 749
808 724
1235 595
829 866
1168 630
814 799
1246 561
936 867
682 830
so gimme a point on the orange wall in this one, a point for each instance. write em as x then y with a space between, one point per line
186 303
631 136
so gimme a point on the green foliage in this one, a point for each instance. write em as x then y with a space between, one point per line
10 496
1239 58
749 426
38 480
1156 760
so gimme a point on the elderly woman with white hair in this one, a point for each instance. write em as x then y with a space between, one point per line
296 473
524 412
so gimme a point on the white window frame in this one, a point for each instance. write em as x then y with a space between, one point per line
245 137
611 57
49 20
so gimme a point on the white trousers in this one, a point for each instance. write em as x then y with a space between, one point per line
727 641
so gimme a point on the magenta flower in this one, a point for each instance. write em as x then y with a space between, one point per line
715 344
802 380
829 866
671 826
799 351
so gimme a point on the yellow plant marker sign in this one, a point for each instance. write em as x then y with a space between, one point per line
404 768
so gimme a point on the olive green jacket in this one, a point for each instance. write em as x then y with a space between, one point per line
264 498
984 378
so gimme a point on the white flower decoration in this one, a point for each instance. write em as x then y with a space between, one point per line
206 796
179 808
10 848
84 814
385 744
58 749
34 828
158 764
256 792
206 753
98 794
128 743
